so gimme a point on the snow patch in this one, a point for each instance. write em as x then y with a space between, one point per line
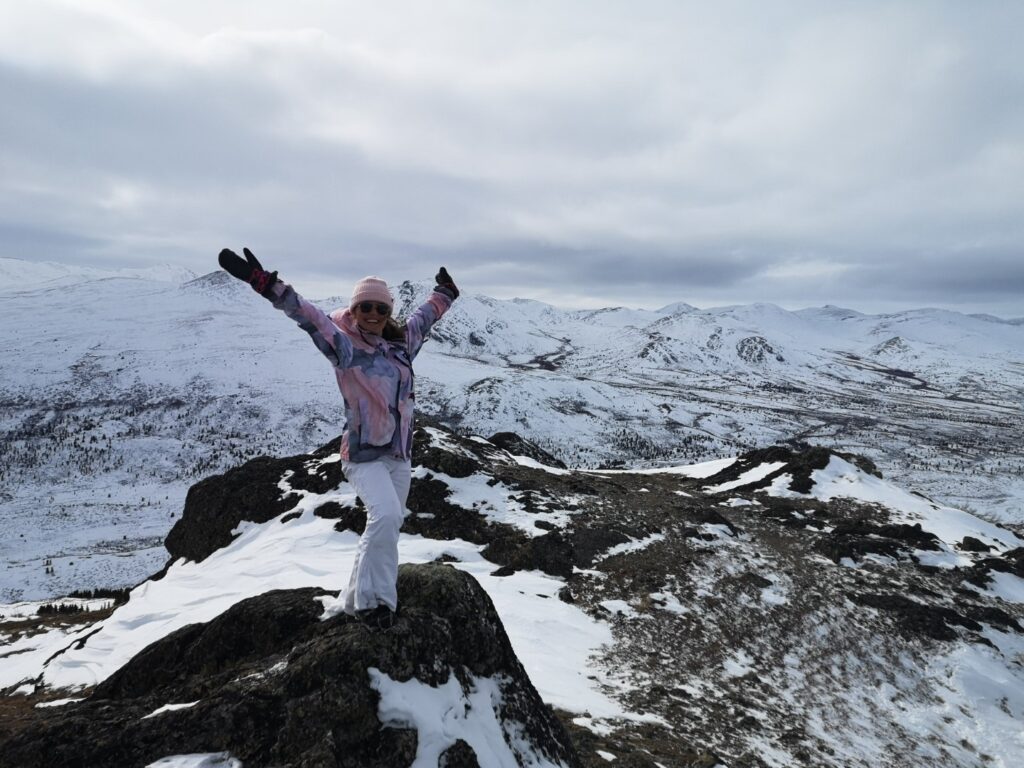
209 760
740 502
696 471
619 607
526 461
495 501
169 708
57 703
738 665
447 713
666 601
774 595
1005 586
634 546
760 472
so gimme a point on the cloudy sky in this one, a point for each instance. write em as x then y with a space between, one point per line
866 154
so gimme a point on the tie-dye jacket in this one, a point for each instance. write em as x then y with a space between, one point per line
375 376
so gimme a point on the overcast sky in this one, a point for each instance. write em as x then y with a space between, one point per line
866 154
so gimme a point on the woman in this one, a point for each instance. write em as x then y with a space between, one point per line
372 357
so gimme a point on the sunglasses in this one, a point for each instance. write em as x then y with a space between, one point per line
368 306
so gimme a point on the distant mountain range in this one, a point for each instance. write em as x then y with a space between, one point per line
119 391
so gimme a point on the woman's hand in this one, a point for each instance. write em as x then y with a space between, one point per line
444 280
249 270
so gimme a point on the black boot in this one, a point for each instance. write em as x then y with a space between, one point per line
381 617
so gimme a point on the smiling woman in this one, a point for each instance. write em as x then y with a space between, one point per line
371 306
372 356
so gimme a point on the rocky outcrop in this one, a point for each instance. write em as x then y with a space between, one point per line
798 460
215 506
272 685
746 608
519 446
756 350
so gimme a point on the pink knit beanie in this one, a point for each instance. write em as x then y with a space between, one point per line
372 289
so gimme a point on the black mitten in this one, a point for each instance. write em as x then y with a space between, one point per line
250 270
445 282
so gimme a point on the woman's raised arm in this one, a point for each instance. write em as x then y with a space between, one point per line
328 338
440 301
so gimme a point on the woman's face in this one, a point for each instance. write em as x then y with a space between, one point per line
371 316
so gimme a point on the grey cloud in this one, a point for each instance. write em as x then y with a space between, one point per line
841 153
18 240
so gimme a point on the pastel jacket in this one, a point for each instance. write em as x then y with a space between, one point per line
374 375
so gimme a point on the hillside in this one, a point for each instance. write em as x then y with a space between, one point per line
787 607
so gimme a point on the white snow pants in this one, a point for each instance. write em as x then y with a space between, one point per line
383 485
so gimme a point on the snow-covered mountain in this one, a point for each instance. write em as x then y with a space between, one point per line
38 274
117 392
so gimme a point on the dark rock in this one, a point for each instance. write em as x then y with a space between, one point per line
550 553
836 548
757 581
980 574
1014 560
989 614
933 621
856 538
332 510
277 686
351 519
709 516
590 541
215 506
863 463
446 462
774 454
458 755
435 517
582 485
971 544
910 534
756 350
319 476
800 460
803 464
204 653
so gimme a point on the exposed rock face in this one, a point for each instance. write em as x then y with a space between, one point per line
215 506
756 350
273 685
